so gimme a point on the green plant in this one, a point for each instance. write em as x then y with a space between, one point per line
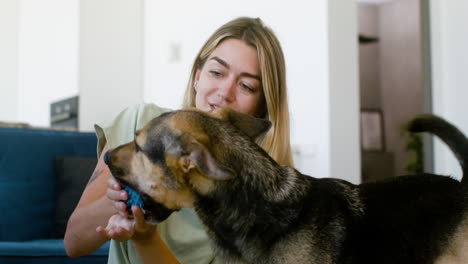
414 146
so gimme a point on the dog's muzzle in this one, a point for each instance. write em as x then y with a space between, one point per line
155 212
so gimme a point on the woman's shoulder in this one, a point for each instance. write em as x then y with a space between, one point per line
139 107
142 112
136 116
121 128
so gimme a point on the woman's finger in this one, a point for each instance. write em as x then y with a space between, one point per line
113 184
121 208
118 205
103 232
121 234
138 216
116 195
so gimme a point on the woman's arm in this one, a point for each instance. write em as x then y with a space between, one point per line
94 209
145 237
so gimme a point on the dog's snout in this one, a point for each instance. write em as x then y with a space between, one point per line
106 157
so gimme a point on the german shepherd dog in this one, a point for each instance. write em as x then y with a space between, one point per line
257 211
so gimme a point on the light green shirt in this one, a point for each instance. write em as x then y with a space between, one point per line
182 231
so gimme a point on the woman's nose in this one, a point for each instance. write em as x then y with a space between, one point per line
227 90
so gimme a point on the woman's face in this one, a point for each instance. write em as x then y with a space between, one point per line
230 78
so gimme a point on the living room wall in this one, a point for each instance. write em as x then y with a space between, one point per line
47 57
449 57
9 60
111 58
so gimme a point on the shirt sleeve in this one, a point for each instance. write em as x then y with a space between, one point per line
186 237
122 128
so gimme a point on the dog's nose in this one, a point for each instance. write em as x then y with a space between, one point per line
106 157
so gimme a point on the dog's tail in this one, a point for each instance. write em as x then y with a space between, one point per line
448 133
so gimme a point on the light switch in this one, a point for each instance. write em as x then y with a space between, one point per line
174 52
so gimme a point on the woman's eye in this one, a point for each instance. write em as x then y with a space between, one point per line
246 87
215 73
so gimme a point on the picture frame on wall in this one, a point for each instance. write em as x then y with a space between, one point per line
372 130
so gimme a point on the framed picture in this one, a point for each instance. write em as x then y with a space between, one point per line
372 130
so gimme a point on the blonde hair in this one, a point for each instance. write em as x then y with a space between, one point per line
273 77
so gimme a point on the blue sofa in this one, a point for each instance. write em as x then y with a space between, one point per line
42 174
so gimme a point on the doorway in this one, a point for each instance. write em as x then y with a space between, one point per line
393 69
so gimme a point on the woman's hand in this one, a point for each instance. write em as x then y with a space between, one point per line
122 228
117 196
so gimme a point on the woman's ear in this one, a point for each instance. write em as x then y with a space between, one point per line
195 82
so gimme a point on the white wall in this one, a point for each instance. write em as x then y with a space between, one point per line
302 28
8 60
449 42
110 70
47 57
343 98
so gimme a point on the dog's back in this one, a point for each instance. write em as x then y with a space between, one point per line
410 219
420 218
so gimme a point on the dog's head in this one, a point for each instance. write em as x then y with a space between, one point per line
180 154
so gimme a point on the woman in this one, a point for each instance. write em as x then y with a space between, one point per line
241 66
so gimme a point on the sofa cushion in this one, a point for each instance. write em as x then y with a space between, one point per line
41 248
50 251
72 174
27 177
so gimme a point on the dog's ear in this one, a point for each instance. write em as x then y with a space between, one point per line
250 125
204 162
196 157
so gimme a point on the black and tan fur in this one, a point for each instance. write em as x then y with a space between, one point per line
256 211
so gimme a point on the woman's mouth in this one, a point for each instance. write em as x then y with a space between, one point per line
213 107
